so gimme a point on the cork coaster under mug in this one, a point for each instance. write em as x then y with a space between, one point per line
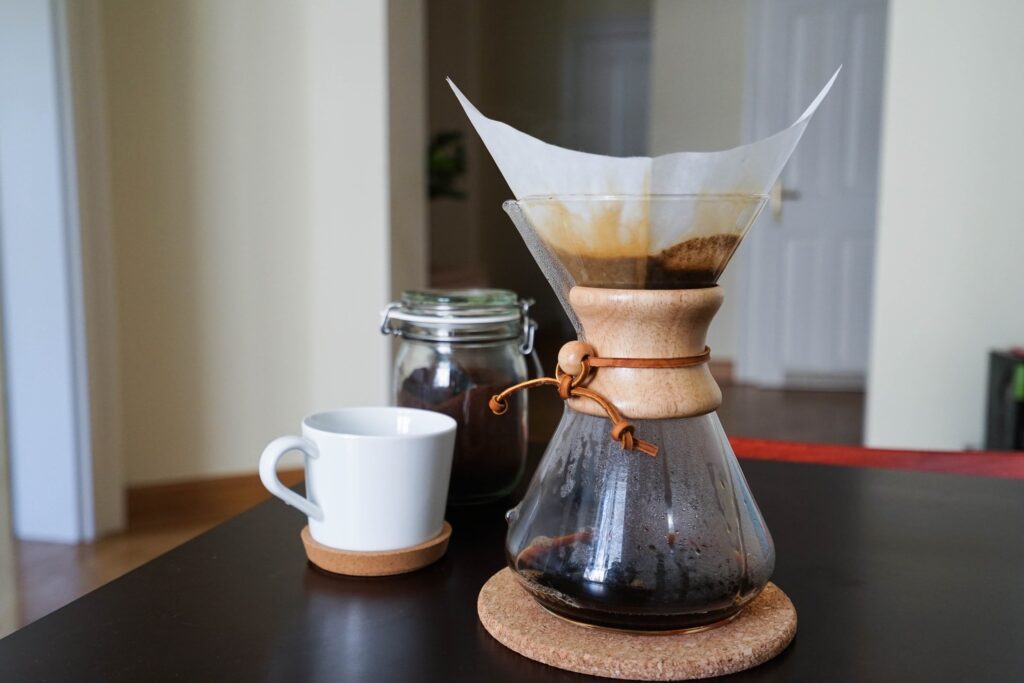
376 562
760 632
376 487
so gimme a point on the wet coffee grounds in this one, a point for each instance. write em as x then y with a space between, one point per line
697 262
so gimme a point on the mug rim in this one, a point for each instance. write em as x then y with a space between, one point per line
444 423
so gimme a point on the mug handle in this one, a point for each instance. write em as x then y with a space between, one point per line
268 473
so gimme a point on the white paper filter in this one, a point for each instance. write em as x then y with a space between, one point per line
534 168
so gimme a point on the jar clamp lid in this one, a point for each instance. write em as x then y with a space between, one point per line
461 316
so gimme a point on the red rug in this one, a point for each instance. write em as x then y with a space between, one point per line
1001 464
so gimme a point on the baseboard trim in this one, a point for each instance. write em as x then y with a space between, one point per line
813 381
199 500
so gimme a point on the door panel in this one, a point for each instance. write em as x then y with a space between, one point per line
606 87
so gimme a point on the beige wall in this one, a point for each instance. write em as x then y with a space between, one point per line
520 62
507 58
948 284
250 161
454 49
522 59
407 143
697 87
698 72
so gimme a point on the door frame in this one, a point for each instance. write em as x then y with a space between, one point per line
758 360
57 492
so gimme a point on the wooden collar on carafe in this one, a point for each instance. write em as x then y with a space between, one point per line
663 334
645 358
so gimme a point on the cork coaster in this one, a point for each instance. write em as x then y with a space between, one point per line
376 562
762 630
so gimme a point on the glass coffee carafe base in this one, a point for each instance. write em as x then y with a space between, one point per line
645 631
596 613
621 539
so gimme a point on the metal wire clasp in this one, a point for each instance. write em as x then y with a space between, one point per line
529 327
385 320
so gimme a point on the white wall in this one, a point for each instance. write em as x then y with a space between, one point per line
698 72
249 157
948 284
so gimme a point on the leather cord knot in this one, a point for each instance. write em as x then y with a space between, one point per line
622 431
498 405
570 386
565 386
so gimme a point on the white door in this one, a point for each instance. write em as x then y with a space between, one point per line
807 294
47 420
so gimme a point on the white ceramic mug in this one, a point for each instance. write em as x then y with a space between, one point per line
376 478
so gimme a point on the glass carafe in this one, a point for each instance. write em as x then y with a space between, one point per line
612 536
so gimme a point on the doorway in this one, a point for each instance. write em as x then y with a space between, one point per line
809 264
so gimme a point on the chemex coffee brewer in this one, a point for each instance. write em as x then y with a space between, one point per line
638 517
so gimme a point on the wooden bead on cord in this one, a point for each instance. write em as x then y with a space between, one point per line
571 355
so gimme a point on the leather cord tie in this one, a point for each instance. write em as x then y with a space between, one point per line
683 362
569 386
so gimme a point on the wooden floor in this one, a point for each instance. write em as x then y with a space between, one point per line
46 576
811 416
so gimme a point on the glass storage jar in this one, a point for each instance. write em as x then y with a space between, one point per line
458 348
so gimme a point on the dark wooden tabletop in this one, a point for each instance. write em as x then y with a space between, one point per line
896 576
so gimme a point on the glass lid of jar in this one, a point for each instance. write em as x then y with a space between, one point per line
459 315
461 303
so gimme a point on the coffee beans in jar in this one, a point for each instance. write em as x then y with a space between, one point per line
458 348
